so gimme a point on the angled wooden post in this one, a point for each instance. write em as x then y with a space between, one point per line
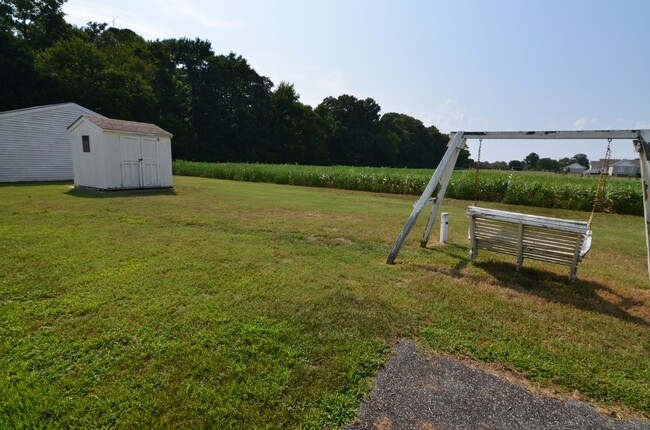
444 182
456 145
642 145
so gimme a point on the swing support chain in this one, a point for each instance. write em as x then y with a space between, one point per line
602 183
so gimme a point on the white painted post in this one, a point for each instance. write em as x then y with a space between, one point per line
444 227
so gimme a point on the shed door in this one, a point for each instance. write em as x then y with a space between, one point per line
139 162
131 156
150 177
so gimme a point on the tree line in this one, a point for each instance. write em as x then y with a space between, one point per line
533 162
217 106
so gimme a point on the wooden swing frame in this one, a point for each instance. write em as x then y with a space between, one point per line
442 175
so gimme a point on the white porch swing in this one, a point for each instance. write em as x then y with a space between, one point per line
524 236
553 240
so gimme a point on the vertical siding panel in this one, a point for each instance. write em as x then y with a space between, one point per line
35 144
112 161
166 161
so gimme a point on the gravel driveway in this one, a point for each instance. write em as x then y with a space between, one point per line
423 392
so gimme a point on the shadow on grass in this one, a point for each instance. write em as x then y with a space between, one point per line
550 286
556 288
33 184
455 254
98 194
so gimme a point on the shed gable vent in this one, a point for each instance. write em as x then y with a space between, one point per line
85 143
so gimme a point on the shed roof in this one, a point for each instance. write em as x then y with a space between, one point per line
576 166
627 163
122 125
45 108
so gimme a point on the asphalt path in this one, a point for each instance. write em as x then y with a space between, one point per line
424 392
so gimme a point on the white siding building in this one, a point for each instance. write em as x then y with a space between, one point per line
110 154
625 168
616 167
575 168
35 145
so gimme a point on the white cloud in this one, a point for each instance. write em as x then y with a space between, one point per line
583 122
315 83
187 9
150 24
642 125
333 82
449 114
81 12
478 123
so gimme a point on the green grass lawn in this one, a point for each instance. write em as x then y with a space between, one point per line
250 305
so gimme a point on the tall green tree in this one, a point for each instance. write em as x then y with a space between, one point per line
21 86
106 69
580 159
352 127
408 142
515 165
499 165
26 28
178 64
39 22
233 112
128 77
440 142
298 133
78 67
548 165
531 160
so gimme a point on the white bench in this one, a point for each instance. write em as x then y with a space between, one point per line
529 236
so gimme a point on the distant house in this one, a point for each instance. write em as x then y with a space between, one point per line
625 168
34 142
111 154
616 167
575 168
595 167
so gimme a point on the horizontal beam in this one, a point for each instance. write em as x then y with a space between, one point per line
575 134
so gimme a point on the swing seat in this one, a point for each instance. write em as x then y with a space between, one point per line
534 237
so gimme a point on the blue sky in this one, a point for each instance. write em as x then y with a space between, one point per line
458 64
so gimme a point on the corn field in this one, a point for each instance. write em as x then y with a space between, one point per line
550 190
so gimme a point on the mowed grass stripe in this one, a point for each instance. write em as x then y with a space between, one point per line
241 305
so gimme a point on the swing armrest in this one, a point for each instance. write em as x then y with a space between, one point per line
586 245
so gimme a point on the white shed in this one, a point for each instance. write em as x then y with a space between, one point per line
35 145
111 154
